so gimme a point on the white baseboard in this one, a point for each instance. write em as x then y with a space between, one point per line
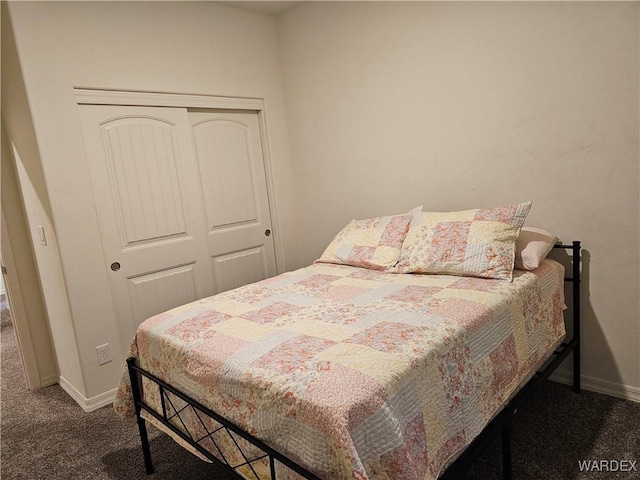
598 385
88 404
49 380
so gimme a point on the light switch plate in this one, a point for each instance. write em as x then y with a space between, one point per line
43 238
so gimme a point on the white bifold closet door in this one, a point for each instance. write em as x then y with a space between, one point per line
182 204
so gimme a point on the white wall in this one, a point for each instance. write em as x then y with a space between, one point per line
21 164
27 305
457 105
183 47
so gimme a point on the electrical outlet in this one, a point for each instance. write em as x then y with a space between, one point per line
104 355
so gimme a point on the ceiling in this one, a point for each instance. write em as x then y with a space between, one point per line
266 6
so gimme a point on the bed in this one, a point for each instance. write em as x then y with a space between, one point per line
353 369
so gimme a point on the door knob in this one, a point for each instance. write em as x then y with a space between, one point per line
115 266
267 232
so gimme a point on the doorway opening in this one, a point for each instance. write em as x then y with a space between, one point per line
11 363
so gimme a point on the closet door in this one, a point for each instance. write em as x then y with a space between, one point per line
150 209
229 154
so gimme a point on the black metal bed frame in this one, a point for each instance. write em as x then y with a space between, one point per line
500 425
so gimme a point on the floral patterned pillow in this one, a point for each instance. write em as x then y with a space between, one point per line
374 243
477 243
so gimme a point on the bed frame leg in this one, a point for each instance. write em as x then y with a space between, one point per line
142 426
576 247
507 473
576 369
146 450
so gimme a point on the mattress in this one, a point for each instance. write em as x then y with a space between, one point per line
356 373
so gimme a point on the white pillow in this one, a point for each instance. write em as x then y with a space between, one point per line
533 246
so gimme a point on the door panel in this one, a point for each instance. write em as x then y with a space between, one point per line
143 170
146 188
159 291
229 154
238 268
224 155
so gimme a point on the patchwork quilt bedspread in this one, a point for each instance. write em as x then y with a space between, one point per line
356 373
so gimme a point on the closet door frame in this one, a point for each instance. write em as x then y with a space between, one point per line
89 96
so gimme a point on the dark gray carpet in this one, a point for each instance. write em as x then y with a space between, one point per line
46 435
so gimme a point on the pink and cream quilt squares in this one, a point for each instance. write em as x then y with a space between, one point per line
354 373
479 243
373 243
